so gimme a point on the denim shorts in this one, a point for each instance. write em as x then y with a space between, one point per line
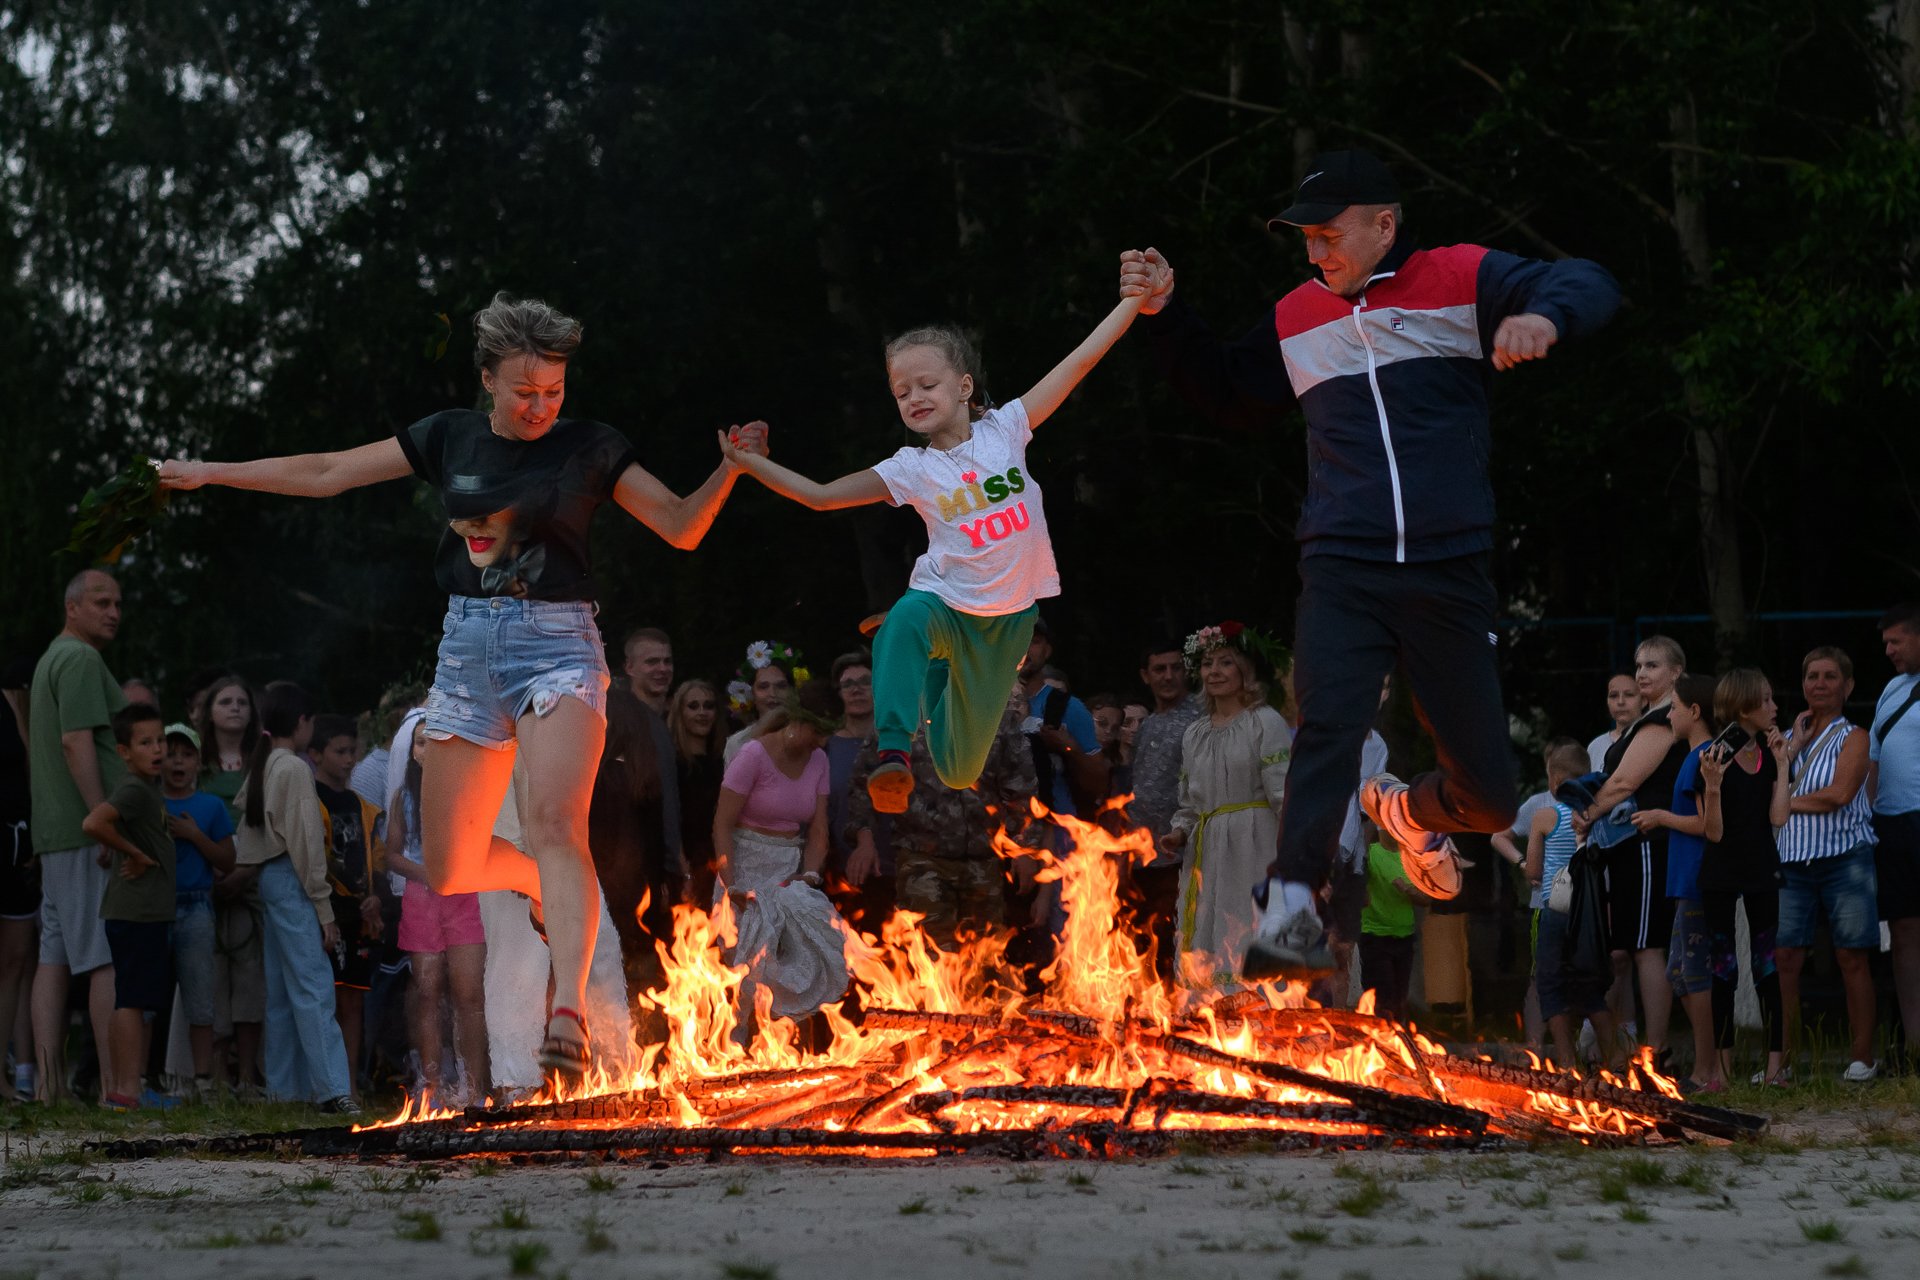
501 658
1843 887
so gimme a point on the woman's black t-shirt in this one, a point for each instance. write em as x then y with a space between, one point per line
539 497
1656 789
1745 859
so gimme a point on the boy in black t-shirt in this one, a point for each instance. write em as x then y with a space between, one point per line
138 907
356 868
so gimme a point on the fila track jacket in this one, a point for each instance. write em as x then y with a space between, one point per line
1393 383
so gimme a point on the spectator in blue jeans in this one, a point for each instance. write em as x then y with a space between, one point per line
282 832
1826 855
202 848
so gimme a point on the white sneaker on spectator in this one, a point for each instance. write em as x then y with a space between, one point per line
1858 1072
1431 862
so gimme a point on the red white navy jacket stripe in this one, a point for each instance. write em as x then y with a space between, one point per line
1393 383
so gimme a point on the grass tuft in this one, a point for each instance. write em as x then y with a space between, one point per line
593 1235
1368 1195
417 1224
1575 1252
749 1271
597 1181
1851 1265
1635 1214
513 1217
1822 1231
914 1206
1308 1235
525 1257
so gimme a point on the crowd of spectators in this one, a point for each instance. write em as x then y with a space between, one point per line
235 876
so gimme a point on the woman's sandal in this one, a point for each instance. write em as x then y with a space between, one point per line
561 1056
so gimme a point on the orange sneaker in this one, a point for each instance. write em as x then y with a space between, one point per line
889 785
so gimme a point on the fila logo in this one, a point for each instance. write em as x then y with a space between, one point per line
1398 323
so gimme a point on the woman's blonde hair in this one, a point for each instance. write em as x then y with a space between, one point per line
1253 690
510 326
1667 647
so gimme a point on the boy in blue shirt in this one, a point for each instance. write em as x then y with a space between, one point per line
202 849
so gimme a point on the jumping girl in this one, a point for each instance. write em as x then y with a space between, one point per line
521 660
947 653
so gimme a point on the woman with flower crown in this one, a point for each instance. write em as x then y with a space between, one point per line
757 694
1234 771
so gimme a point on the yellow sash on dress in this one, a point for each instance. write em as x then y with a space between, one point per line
1199 849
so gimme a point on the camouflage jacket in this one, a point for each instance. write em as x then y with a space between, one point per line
943 823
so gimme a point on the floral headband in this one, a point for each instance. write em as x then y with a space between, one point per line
1259 646
760 655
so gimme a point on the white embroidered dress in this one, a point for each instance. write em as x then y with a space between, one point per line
1231 780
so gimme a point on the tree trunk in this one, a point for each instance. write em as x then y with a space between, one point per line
1716 474
1306 142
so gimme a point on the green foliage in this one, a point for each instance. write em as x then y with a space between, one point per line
236 230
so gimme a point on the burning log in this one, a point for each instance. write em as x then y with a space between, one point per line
1413 1113
1716 1122
915 1020
1192 1102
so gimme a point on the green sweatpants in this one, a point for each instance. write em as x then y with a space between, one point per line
950 671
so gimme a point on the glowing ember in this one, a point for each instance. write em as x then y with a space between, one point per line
947 1044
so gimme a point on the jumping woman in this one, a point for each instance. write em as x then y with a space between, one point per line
521 662
947 653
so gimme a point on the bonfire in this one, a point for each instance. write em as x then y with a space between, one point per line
938 1052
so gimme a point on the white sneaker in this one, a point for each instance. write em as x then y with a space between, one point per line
1860 1072
1431 862
1292 945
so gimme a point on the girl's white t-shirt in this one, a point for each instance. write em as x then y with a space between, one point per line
987 547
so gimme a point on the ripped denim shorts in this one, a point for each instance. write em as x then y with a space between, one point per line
502 658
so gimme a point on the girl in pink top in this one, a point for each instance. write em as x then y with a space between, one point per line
789 936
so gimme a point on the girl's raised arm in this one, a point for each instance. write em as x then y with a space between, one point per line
1048 393
300 475
857 490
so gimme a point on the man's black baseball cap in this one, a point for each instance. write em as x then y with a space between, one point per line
1335 180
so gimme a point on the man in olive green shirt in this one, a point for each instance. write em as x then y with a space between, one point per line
73 766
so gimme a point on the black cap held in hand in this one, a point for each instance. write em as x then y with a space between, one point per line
1336 180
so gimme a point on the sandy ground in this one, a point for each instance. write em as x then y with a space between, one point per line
1837 1197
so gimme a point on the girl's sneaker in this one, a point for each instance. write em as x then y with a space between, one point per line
1780 1079
1861 1072
889 785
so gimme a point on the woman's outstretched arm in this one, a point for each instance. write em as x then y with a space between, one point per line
1048 393
856 490
300 475
683 522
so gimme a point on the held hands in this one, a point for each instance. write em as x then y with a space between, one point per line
1522 337
738 443
1145 274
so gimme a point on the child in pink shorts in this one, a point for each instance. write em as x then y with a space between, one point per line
447 949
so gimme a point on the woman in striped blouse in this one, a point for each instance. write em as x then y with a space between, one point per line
1826 853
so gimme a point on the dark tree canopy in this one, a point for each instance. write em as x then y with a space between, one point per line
238 229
